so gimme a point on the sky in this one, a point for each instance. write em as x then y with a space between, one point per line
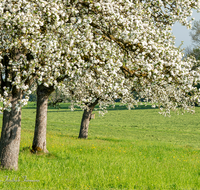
183 34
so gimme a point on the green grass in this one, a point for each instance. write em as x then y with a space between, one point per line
126 149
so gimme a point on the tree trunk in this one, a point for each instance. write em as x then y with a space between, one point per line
39 140
86 120
11 133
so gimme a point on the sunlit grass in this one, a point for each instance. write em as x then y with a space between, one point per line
137 149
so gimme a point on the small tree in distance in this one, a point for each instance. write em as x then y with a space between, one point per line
195 35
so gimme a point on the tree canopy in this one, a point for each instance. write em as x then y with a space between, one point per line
112 42
133 39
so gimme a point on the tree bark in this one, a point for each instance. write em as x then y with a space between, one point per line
11 133
86 120
39 140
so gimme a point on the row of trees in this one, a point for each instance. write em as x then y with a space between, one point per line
93 52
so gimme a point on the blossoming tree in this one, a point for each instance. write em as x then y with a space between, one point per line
133 39
35 50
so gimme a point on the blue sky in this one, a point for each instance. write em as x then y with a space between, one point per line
182 33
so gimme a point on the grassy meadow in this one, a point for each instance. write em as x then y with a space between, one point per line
126 149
